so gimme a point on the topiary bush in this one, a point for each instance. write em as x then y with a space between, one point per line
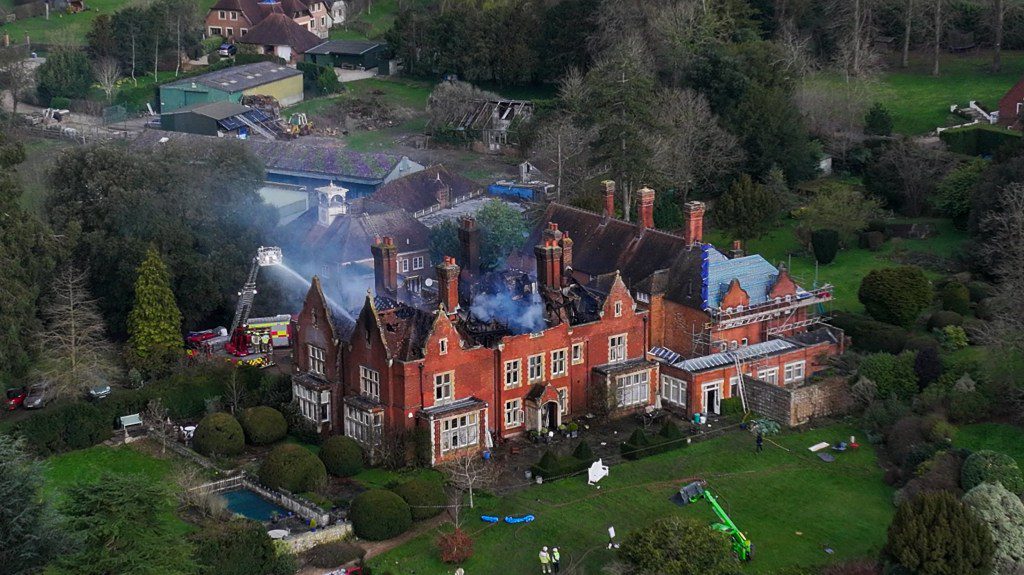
1003 512
583 452
263 425
293 468
825 244
956 297
426 498
342 456
895 295
941 319
893 374
379 514
988 466
871 335
219 434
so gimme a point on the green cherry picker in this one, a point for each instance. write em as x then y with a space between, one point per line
692 492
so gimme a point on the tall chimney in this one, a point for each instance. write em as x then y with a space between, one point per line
566 244
693 233
469 244
385 266
737 250
448 284
443 192
549 264
609 198
646 207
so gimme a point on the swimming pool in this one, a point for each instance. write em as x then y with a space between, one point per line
250 504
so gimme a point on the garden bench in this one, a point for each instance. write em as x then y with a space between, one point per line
130 420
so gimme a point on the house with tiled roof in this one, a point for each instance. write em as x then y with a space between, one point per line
432 189
281 36
233 19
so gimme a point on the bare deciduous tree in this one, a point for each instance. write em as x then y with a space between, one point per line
451 101
234 392
856 55
563 147
937 29
75 354
107 73
690 149
16 76
158 421
1004 226
470 473
908 21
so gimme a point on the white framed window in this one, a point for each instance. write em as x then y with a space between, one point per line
323 20
459 432
369 382
222 15
363 426
414 284
233 15
632 388
563 399
513 368
794 372
535 367
442 346
242 31
673 390
577 353
230 31
313 405
513 413
417 263
317 358
618 308
617 348
734 386
443 387
558 363
215 30
403 265
769 375
744 342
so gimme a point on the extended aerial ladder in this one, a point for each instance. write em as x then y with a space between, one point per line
265 256
697 490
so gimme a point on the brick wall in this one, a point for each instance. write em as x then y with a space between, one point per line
797 406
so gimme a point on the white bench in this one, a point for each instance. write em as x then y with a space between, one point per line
598 471
130 420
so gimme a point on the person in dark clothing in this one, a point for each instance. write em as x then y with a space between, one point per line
760 442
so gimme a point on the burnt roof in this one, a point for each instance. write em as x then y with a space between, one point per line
280 30
404 328
418 191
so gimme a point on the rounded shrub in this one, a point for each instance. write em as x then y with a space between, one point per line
263 425
895 295
990 467
941 319
825 244
293 468
342 456
956 297
379 514
583 452
425 498
219 434
969 406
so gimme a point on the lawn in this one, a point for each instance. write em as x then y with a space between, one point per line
1001 437
789 503
920 102
86 465
375 20
851 264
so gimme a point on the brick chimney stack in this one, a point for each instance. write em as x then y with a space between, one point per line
737 250
448 284
646 207
609 198
469 244
566 244
549 264
385 266
693 232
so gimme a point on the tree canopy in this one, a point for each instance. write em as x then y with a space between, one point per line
154 323
934 534
30 536
678 546
747 210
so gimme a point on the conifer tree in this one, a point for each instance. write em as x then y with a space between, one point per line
935 534
154 324
747 210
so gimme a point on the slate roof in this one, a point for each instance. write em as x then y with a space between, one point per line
345 47
755 274
725 358
418 191
349 237
239 78
255 11
280 30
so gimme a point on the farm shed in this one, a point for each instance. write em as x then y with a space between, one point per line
355 54
218 118
230 84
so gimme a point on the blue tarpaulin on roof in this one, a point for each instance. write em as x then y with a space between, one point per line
755 274
511 191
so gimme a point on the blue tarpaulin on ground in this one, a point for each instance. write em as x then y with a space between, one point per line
511 191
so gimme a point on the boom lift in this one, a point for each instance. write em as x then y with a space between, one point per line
697 490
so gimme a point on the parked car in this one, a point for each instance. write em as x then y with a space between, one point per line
98 392
227 49
38 396
15 397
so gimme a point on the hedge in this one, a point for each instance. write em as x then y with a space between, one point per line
941 319
219 434
379 514
263 425
870 335
426 498
978 140
641 445
293 468
342 456
331 555
991 466
66 428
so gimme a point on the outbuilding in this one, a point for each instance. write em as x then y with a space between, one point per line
348 54
230 84
216 119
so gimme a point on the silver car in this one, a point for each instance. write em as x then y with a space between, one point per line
38 396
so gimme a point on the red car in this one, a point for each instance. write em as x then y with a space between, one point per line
15 397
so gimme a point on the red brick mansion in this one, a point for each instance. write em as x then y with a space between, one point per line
600 317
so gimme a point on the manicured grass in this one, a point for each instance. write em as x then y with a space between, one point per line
1002 437
920 102
374 21
851 264
379 478
86 465
789 503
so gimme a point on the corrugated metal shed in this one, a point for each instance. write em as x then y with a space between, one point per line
717 360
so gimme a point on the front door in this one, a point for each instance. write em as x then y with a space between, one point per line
551 416
712 397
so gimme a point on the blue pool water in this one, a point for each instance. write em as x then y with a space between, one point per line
251 505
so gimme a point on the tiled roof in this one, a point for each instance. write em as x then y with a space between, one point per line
717 360
349 237
404 328
280 30
755 274
418 191
255 11
239 78
465 404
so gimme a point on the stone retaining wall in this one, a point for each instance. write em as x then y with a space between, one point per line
310 539
797 406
